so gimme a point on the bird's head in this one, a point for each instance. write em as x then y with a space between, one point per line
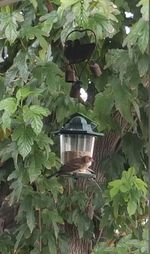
87 159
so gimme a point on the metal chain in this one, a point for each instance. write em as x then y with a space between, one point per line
81 13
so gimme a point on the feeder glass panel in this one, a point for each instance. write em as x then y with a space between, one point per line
75 145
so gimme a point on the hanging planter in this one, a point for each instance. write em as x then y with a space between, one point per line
78 45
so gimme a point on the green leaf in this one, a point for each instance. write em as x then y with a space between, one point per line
11 32
118 60
104 102
10 75
144 9
66 3
9 23
42 41
64 244
115 187
35 250
132 147
137 109
35 167
114 191
49 19
32 32
54 186
124 188
44 141
33 115
144 39
9 105
81 221
54 76
131 207
2 87
115 183
9 151
56 230
123 99
18 16
122 249
39 110
116 207
37 124
23 93
30 220
138 35
25 138
102 108
21 63
17 190
19 236
130 173
51 217
140 185
143 64
52 245
6 121
26 91
145 234
34 2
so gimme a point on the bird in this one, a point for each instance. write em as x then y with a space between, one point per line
79 164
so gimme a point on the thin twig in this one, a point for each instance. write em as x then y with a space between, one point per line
40 229
40 226
23 44
99 237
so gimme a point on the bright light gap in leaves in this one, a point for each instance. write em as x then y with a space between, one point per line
83 94
129 14
127 29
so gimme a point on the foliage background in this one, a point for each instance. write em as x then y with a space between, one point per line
35 101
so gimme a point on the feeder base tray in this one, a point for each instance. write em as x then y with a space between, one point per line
80 174
84 175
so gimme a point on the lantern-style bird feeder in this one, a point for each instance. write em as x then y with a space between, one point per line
77 139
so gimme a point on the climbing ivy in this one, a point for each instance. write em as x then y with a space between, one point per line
35 101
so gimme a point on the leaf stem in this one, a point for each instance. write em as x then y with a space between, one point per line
39 225
23 44
40 230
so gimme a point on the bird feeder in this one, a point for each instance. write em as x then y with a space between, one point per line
77 139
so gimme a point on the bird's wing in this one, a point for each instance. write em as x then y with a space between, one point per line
70 167
76 163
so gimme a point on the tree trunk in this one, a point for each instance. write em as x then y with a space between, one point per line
104 147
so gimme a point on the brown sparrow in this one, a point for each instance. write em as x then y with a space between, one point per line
80 164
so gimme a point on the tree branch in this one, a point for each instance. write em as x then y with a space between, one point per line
8 2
